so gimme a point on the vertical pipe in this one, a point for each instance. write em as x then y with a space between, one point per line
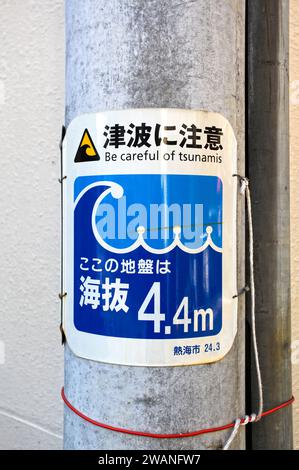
268 169
152 53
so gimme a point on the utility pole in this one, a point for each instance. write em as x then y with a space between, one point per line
151 53
268 169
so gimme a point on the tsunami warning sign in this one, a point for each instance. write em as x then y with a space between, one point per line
149 245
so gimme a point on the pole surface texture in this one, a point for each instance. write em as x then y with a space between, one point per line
268 168
154 53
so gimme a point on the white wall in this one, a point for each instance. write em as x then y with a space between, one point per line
294 176
31 115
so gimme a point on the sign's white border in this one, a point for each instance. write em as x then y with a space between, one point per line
150 352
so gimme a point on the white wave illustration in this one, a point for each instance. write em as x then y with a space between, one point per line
117 191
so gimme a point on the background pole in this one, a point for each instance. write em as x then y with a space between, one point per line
152 53
268 170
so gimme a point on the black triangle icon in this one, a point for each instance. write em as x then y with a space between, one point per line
86 151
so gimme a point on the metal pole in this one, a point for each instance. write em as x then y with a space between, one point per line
268 168
152 53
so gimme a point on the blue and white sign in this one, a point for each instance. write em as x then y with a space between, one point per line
150 237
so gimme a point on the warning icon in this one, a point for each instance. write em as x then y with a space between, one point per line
86 151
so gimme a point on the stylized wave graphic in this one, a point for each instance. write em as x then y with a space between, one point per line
83 155
117 191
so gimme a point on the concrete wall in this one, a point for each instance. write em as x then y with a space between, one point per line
294 148
31 114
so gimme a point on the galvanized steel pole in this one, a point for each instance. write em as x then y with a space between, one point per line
152 53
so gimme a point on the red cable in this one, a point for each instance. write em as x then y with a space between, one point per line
164 436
